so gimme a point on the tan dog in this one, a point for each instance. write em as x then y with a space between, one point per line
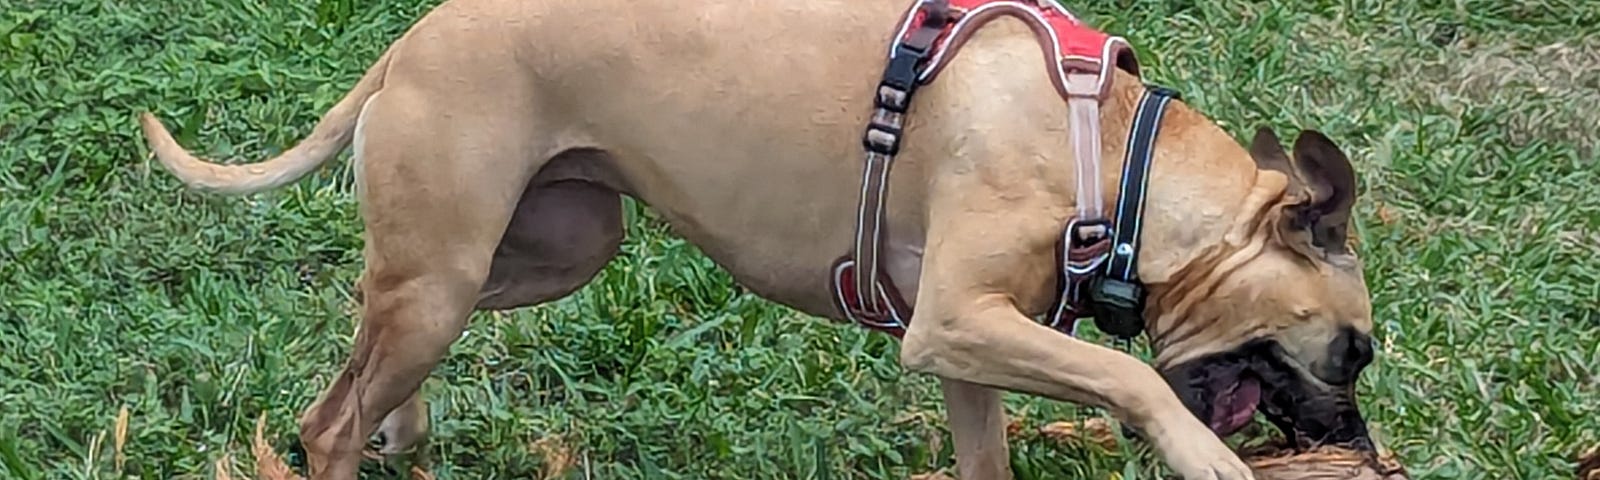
495 139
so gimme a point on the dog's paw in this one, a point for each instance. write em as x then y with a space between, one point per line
1226 467
1195 453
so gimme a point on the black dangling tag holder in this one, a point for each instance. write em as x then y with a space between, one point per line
1118 306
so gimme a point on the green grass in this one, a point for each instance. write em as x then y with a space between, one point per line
1472 123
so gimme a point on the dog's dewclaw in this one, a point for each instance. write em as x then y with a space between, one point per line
1325 464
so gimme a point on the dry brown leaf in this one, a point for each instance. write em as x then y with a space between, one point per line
1589 464
223 467
1387 215
914 416
558 457
268 465
417 473
1389 464
120 437
1096 431
1014 426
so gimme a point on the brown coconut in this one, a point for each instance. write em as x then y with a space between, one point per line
1326 463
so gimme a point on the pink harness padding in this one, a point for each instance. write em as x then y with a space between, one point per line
1070 45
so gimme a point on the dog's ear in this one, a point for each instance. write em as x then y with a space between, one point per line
1325 183
1268 152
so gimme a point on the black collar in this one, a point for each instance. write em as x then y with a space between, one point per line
1136 181
1100 272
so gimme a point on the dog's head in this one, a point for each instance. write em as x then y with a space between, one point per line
1278 318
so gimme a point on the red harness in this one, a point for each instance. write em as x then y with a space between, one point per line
931 33
1075 48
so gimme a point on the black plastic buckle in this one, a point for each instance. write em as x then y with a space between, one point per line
903 69
893 99
1118 306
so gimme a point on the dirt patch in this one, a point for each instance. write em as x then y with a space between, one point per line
1542 92
557 455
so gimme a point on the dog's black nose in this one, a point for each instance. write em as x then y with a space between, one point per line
1348 353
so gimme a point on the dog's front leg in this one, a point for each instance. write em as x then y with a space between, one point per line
978 427
991 343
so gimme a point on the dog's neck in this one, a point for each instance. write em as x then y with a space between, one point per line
1173 316
1204 192
1209 210
1203 183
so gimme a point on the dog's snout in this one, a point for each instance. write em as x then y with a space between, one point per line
1348 353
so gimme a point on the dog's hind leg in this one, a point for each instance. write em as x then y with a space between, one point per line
440 183
567 227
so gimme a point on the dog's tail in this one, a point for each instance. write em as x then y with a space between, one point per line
330 136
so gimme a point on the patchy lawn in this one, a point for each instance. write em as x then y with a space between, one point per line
1473 124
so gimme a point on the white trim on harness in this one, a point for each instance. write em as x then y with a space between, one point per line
896 321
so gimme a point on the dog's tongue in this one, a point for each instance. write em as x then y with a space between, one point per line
1235 407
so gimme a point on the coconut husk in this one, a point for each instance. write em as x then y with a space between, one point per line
1327 463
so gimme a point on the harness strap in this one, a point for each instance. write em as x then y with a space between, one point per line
882 142
877 304
1082 61
1117 296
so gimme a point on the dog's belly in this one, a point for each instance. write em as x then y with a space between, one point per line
792 264
746 142
775 223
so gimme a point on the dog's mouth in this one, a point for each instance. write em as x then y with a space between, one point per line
1226 390
1233 403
